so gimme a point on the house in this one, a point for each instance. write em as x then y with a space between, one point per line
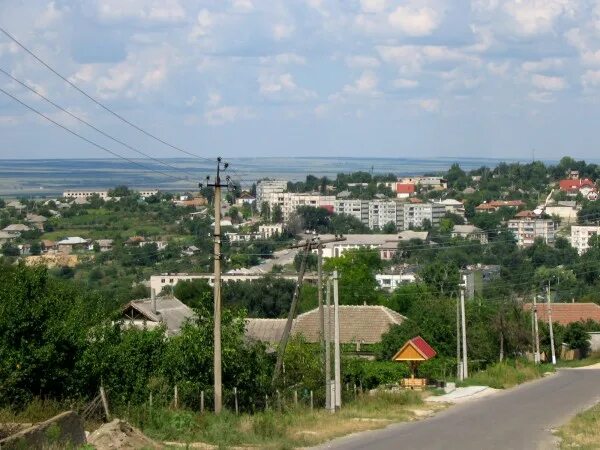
48 245
268 331
15 204
151 313
16 228
566 313
36 221
394 278
359 324
242 237
566 211
135 241
196 202
585 187
6 236
190 250
494 205
24 249
525 214
160 245
72 243
104 245
270 231
470 232
245 198
405 190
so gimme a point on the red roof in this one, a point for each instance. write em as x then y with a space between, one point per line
423 347
566 313
415 200
499 203
525 214
405 188
328 208
575 185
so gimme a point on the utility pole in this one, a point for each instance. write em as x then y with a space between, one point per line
307 245
329 404
550 326
217 363
536 333
322 317
464 328
459 366
336 333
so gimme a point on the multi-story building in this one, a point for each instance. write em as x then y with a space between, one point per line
266 187
382 212
289 202
414 214
355 208
85 194
527 230
580 236
436 183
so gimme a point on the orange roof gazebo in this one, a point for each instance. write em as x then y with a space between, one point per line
414 352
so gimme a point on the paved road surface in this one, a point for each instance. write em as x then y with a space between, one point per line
520 418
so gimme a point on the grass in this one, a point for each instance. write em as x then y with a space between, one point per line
594 358
507 374
583 432
295 427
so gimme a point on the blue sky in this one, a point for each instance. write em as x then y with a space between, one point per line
309 77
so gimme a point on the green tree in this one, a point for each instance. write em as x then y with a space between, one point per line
277 214
441 278
577 337
265 212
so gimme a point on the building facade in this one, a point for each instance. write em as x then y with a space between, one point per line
527 230
289 202
358 209
414 214
266 187
580 236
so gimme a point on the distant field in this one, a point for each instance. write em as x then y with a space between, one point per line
50 177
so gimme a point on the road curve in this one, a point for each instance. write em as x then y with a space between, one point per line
520 418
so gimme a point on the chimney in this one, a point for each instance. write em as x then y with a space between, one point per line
153 300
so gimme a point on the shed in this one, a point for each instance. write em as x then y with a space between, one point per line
169 311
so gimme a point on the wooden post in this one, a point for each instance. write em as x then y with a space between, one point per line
355 394
295 398
237 411
312 405
175 398
150 400
266 402
278 399
202 402
105 403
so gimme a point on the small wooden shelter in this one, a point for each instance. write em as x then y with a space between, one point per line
414 351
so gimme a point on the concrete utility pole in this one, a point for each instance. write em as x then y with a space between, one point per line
553 351
336 331
464 329
536 333
217 363
459 366
329 404
322 319
307 245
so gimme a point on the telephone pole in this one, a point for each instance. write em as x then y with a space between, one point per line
217 363
329 402
536 334
459 366
336 337
465 370
552 350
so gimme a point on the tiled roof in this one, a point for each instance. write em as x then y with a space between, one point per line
170 311
571 185
423 347
405 188
265 330
566 313
365 324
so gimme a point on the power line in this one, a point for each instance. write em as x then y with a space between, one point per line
25 85
97 102
95 144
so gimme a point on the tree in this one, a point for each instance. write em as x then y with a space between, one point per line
441 278
265 211
577 338
119 191
356 270
406 295
194 293
277 214
389 228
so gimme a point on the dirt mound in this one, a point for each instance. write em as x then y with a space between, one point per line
120 435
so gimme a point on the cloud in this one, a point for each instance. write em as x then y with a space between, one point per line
226 114
282 31
149 11
415 21
428 104
242 6
205 21
542 65
547 83
411 58
366 84
283 59
372 6
362 62
591 79
49 17
282 86
531 17
404 83
9 121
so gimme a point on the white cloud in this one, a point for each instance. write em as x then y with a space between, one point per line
498 68
160 11
532 17
284 59
362 62
404 83
204 24
542 65
542 97
547 83
282 86
414 20
411 58
227 114
428 104
366 84
591 79
372 6
242 6
282 31
85 74
214 99
49 17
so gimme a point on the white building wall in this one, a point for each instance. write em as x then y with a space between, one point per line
580 236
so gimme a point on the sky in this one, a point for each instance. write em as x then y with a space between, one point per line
356 78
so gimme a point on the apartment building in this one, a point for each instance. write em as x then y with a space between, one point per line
527 230
289 202
382 212
414 214
355 208
580 236
265 188
85 194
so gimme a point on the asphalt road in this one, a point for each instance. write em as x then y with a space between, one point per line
520 418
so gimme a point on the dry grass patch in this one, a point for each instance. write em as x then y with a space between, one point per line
583 432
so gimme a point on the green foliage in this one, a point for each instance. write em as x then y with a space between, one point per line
506 374
370 374
577 337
